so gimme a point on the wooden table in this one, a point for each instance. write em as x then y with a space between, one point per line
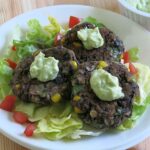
11 8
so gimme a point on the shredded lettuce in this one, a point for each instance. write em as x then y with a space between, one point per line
43 37
93 21
137 112
58 120
24 48
56 128
15 34
34 111
79 133
5 77
62 122
141 102
134 54
27 108
143 82
54 27
36 37
39 113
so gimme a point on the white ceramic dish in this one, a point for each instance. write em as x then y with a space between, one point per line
132 35
140 17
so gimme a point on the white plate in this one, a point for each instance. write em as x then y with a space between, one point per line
132 35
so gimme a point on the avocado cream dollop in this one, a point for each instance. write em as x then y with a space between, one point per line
105 86
44 68
143 5
91 38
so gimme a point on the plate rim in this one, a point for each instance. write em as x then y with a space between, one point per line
26 144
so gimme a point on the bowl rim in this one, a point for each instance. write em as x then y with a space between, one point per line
133 9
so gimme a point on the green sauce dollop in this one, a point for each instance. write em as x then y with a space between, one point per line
143 5
44 68
105 86
91 38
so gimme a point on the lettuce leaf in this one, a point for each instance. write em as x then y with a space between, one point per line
43 37
143 101
54 27
24 107
15 34
24 48
134 54
59 123
62 122
5 77
34 111
39 113
56 128
60 109
93 21
137 112
36 37
79 133
143 82
56 121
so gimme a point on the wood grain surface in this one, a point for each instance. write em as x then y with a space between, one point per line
12 8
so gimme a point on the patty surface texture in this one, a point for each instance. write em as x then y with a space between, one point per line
32 90
96 112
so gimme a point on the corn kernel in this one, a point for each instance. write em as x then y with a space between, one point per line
76 98
74 64
56 98
121 57
77 110
102 64
128 69
93 113
17 86
77 44
127 66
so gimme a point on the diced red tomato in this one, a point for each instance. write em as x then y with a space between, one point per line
11 63
13 48
74 21
126 57
57 38
8 103
132 69
20 117
30 129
